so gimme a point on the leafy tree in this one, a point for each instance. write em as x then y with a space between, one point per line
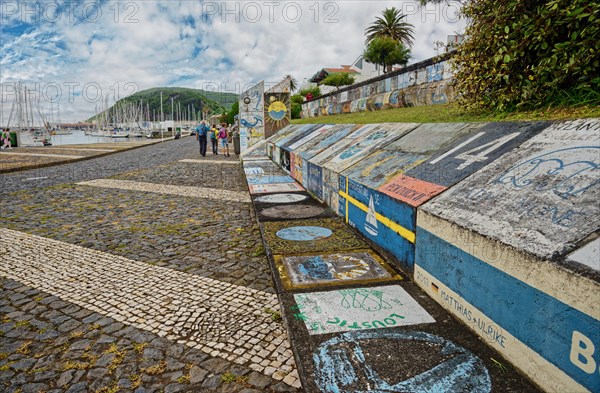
520 54
386 52
391 25
315 91
230 115
338 80
296 105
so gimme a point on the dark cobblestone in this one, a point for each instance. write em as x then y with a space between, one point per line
79 364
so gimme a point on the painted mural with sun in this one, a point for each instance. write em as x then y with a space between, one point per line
277 112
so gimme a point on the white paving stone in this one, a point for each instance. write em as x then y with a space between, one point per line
41 155
201 312
197 192
192 161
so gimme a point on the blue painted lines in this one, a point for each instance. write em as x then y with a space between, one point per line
342 362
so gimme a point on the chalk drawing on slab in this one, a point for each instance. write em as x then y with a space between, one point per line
281 198
293 211
359 308
304 233
302 271
254 171
275 187
351 363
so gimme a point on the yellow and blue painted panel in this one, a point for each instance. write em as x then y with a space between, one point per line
380 218
558 332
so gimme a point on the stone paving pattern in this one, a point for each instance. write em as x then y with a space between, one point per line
50 345
196 238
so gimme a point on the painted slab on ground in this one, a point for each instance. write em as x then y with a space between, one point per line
305 271
274 188
380 218
539 316
459 371
541 198
268 179
259 149
310 236
359 308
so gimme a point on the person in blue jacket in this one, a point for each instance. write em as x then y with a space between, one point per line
201 133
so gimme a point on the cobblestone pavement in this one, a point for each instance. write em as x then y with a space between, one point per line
137 290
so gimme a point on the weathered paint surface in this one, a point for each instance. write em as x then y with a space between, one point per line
520 305
281 198
541 198
466 155
274 188
251 116
254 171
380 218
268 179
342 144
359 308
361 266
315 180
304 233
367 143
413 191
341 365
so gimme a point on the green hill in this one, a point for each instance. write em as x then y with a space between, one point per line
216 102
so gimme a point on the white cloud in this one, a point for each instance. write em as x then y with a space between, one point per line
159 46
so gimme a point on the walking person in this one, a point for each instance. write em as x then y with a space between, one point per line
223 136
213 139
201 133
5 139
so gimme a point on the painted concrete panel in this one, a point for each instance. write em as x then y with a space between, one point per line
359 308
383 220
333 269
381 135
515 314
251 115
405 153
315 180
281 198
342 144
274 188
466 155
541 198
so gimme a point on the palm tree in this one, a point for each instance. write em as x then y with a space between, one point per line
391 25
293 82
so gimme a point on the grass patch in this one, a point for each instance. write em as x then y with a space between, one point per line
24 348
258 251
76 334
184 379
6 366
139 347
158 368
230 377
450 113
21 323
136 381
275 315
71 365
117 360
4 355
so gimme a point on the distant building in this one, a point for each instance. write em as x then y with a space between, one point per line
359 69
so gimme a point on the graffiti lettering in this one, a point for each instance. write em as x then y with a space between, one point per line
405 192
389 321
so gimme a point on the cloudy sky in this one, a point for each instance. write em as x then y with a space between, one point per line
80 52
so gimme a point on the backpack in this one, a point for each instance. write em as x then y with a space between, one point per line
222 134
201 129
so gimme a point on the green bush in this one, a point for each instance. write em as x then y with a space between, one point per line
527 54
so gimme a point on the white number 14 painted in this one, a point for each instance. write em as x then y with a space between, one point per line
476 154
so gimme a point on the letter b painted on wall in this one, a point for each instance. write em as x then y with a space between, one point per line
582 352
